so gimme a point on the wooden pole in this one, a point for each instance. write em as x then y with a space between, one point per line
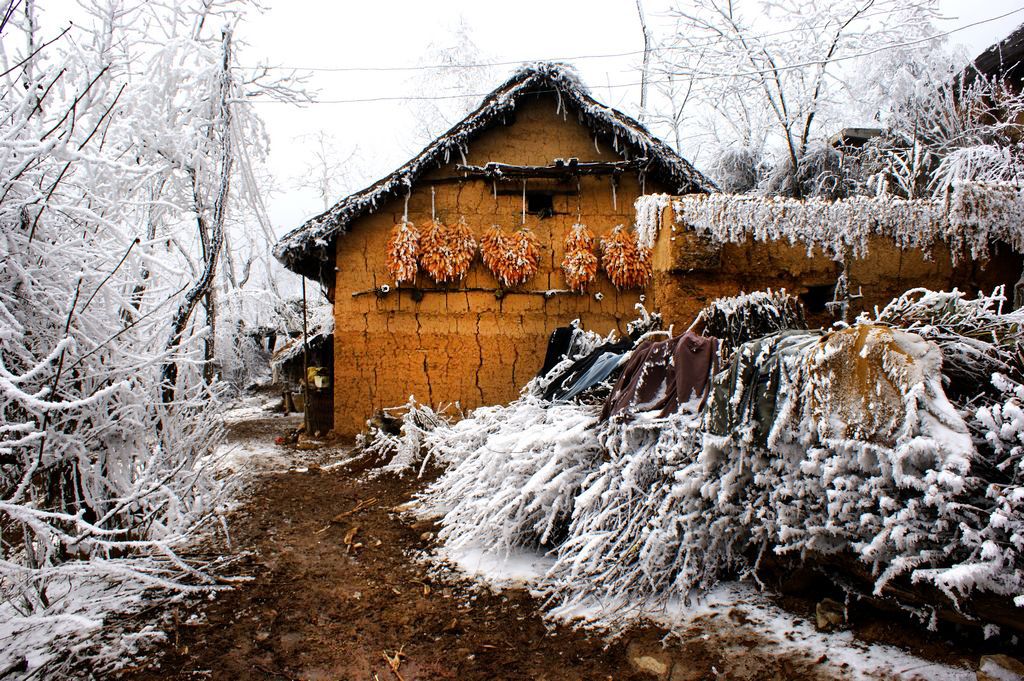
305 363
647 61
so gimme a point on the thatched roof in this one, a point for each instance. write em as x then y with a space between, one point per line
1000 61
307 249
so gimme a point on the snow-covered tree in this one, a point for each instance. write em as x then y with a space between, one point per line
772 75
120 147
944 124
330 172
453 78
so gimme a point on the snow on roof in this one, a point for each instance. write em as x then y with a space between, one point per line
305 250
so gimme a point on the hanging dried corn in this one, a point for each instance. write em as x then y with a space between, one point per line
579 266
523 258
403 249
494 244
446 252
512 258
626 264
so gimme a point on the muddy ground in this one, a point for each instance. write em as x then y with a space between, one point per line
336 593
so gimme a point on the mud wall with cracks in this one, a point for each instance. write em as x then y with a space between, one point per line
471 347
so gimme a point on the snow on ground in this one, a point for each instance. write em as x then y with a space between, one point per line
513 570
729 612
248 452
247 408
85 598
254 457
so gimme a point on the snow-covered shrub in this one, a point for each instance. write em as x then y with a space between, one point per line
677 506
514 487
408 448
983 367
996 538
738 319
951 129
843 443
103 485
977 338
838 444
979 163
625 544
819 173
737 170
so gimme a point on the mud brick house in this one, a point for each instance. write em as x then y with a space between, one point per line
538 147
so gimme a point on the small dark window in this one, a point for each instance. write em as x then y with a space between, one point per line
816 297
540 203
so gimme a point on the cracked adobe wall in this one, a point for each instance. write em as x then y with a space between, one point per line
470 347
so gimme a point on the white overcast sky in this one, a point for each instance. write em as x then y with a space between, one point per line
305 33
349 34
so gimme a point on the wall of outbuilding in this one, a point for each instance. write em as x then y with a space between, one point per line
690 272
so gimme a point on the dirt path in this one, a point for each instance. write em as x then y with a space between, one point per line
330 599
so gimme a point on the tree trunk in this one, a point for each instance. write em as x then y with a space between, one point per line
211 233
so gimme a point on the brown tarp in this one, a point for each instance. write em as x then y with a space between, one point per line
661 376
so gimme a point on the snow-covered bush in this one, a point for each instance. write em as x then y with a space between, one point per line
532 463
737 170
819 173
737 319
943 123
996 537
811 444
983 368
409 447
718 60
102 485
625 545
977 337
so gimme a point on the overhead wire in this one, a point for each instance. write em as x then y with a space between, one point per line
472 65
690 75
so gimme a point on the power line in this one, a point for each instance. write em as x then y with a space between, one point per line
708 75
606 55
692 75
